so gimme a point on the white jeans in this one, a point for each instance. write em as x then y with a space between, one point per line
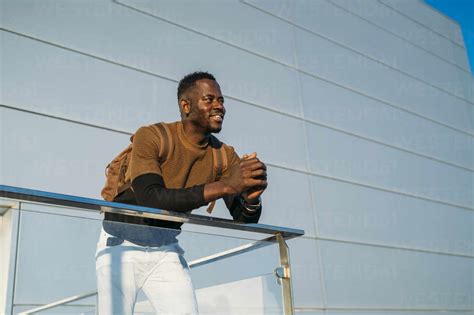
160 272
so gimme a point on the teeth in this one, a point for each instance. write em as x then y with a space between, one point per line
217 117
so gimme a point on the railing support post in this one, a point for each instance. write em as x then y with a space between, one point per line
284 276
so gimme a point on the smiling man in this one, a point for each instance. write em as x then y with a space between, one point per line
176 166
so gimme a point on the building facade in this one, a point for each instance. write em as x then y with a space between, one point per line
362 110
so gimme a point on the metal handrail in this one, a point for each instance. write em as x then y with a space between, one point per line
122 208
279 234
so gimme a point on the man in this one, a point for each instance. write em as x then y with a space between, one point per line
172 168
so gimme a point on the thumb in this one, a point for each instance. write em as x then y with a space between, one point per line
249 156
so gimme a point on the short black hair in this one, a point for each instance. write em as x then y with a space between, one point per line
189 81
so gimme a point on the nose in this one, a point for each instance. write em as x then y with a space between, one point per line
218 105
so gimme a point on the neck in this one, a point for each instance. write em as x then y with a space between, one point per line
194 134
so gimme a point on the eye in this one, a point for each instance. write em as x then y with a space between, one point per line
208 99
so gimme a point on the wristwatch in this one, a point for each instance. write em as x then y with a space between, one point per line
251 207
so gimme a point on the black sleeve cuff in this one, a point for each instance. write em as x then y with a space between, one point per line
239 212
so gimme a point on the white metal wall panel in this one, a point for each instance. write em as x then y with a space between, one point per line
429 17
278 139
403 90
306 272
330 21
392 21
73 86
358 276
470 95
365 162
155 46
343 109
331 62
53 155
108 64
346 211
227 20
280 209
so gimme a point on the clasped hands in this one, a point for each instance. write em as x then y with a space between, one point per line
248 178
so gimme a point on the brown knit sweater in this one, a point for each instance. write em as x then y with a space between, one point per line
185 166
186 163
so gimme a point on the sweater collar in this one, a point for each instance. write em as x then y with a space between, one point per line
188 143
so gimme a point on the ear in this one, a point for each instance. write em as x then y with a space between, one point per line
185 105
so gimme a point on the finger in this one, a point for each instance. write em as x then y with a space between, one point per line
249 156
264 177
253 182
251 165
260 187
249 161
260 173
255 193
252 162
257 175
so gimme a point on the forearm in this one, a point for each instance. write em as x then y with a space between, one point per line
150 191
234 203
214 191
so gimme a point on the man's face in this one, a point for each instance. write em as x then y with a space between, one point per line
207 106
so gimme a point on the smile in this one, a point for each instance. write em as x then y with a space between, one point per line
218 118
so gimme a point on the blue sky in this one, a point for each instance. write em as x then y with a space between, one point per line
463 12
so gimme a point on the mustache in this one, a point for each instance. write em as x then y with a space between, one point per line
217 112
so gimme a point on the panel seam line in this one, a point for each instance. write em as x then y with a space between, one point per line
400 37
310 121
242 100
348 48
421 24
275 165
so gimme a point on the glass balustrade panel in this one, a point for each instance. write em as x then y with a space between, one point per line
48 254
